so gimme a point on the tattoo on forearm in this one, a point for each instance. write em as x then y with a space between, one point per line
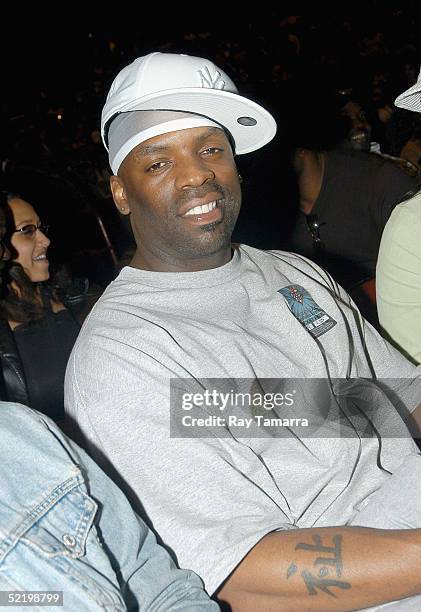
331 561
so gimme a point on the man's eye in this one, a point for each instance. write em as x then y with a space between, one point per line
212 150
156 166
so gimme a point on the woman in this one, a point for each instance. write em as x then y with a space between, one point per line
37 331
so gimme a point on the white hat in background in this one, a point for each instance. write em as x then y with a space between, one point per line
411 98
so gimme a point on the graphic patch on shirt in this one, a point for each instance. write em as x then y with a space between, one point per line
305 309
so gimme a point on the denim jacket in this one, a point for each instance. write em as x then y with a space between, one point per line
64 526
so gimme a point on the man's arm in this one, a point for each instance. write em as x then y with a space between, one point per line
331 568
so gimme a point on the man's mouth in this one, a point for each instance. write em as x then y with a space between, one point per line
204 214
202 210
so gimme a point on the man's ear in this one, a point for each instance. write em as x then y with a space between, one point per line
119 195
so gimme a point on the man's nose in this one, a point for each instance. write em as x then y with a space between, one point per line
193 173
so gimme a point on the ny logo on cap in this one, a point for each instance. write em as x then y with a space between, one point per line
211 82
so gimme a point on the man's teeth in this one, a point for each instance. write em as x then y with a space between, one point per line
40 257
201 210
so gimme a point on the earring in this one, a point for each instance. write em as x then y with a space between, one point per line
123 208
240 178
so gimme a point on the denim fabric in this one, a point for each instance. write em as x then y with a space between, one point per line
65 526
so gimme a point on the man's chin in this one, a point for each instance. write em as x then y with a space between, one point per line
211 247
211 227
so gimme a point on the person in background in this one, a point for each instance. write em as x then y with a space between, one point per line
399 264
358 136
345 198
37 330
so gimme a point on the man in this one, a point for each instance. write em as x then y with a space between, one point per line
194 326
398 268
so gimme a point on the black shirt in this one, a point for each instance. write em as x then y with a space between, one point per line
358 193
44 347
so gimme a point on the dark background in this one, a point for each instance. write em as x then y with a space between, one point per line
58 64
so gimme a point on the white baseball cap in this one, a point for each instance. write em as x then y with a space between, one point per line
411 98
172 82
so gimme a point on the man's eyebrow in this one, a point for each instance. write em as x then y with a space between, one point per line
150 149
211 131
145 150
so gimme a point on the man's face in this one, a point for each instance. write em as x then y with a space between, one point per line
360 130
182 190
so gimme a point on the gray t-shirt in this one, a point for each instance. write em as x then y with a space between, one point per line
263 315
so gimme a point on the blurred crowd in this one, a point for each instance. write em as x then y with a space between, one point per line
346 70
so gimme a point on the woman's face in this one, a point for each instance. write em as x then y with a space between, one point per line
31 247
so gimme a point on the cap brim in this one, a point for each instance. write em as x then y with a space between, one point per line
250 124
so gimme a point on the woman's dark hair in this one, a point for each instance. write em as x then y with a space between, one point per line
31 301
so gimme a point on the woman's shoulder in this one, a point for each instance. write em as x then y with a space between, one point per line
79 297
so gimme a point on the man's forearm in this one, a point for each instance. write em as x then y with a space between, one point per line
332 568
